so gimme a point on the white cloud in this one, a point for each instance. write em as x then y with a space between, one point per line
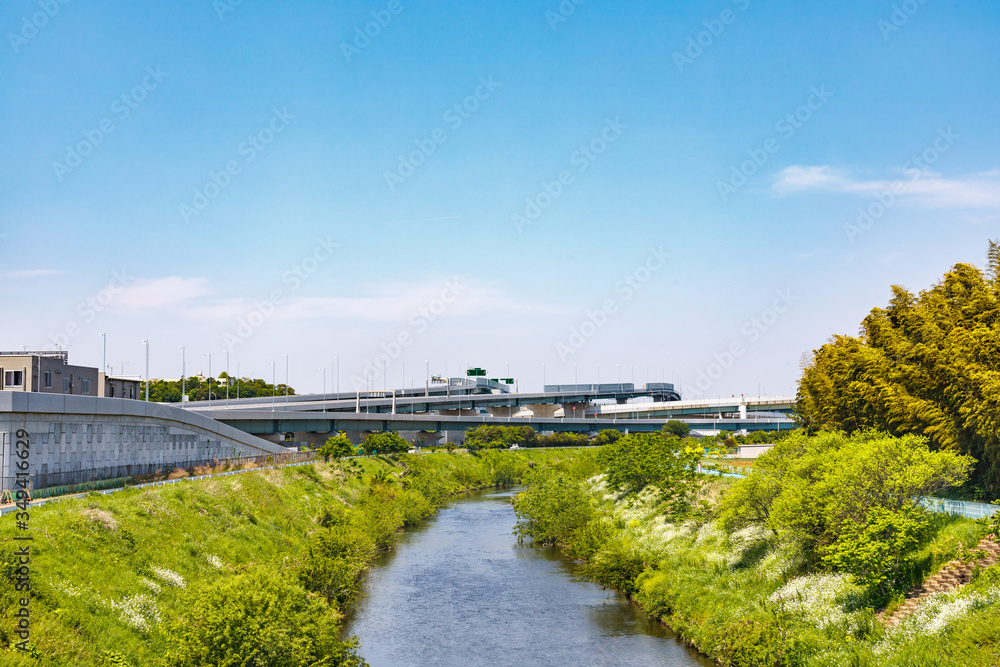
160 293
388 302
980 190
31 273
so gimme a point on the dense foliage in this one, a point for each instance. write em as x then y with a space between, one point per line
197 388
659 461
928 364
386 443
257 618
852 502
337 447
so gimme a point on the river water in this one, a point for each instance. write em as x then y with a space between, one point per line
459 590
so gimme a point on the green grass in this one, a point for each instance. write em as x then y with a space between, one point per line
91 555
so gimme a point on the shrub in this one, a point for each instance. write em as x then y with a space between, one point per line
257 618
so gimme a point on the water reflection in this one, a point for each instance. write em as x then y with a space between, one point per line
459 590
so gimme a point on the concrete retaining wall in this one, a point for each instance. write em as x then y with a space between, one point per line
76 433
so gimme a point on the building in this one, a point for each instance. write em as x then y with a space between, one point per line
51 373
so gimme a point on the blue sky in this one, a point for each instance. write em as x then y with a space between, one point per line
483 184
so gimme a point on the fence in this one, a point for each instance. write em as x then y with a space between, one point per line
961 507
97 478
964 508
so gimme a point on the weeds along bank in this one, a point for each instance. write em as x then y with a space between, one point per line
788 567
245 569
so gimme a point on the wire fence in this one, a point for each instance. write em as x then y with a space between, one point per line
70 481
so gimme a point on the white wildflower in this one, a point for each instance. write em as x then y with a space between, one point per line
169 577
150 584
214 561
139 611
818 597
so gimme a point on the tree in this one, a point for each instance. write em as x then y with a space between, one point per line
337 447
257 618
387 442
927 364
605 437
678 428
853 501
652 460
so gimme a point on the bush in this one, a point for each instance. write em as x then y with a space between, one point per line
337 447
257 618
386 443
553 508
641 460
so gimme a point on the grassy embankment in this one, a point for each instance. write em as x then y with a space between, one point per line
148 577
750 597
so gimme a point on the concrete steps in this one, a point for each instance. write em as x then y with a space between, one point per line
952 574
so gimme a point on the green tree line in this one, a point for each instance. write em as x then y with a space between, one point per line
197 387
927 364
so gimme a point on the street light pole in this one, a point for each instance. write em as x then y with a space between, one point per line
286 378
323 371
183 377
427 378
146 343
227 379
209 355
272 385
104 360
336 360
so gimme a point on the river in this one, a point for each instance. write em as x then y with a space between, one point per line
459 590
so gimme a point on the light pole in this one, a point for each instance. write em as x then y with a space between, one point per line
272 385
619 376
227 379
183 371
336 360
323 371
146 343
427 378
104 359
598 375
286 378
209 355
576 377
543 378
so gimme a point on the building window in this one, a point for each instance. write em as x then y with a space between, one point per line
131 392
47 377
112 391
85 385
13 379
65 385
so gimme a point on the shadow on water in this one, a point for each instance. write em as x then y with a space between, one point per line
460 590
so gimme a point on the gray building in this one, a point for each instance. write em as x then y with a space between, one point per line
51 373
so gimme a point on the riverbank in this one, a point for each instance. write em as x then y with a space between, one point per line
151 576
748 597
